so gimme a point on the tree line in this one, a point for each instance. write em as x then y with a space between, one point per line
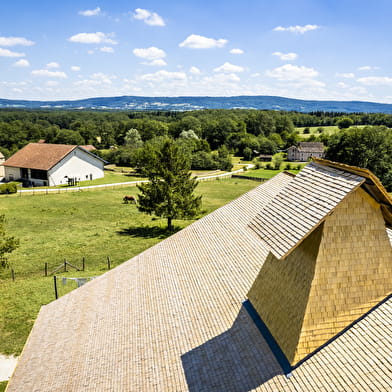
206 137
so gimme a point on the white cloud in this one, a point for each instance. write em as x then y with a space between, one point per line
194 70
107 49
53 64
103 78
13 41
222 78
229 68
162 76
51 83
92 38
195 41
87 83
292 72
367 68
96 79
157 63
236 51
298 75
49 74
75 68
151 53
22 63
148 17
286 56
93 12
375 81
297 29
347 75
8 53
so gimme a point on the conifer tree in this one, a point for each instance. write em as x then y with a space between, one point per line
169 192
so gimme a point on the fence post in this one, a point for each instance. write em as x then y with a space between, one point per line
108 263
55 286
13 275
65 265
46 269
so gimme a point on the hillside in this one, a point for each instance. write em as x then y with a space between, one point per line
195 103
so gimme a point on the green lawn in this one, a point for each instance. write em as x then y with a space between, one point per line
94 225
267 174
328 130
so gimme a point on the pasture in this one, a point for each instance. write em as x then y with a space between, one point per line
327 130
93 224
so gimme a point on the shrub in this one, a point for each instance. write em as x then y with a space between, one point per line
248 154
288 166
9 187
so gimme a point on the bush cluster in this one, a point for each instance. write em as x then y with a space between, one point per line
9 187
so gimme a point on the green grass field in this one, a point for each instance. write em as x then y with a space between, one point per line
267 174
328 130
92 224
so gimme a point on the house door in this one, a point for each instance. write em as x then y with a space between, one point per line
24 173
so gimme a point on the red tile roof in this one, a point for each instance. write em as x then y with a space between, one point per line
89 147
41 156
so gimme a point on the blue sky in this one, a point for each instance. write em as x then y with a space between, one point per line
308 49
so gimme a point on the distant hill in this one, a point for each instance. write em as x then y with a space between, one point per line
197 103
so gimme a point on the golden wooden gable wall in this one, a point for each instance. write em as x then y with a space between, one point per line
337 274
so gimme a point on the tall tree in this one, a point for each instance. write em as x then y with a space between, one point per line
368 147
169 192
7 244
133 139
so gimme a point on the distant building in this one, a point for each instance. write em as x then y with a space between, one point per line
265 157
42 164
305 150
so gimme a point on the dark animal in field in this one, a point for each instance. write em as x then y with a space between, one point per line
129 199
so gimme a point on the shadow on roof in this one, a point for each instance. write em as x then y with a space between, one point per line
237 360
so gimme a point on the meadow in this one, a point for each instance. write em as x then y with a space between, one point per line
327 130
92 224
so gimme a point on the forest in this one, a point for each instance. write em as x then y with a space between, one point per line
207 136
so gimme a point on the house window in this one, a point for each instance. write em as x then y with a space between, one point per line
39 174
24 172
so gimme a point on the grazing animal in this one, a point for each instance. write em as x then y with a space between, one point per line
129 199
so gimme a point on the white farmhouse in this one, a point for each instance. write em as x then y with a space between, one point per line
42 164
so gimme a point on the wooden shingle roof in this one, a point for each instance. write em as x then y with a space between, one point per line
41 156
172 319
301 206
